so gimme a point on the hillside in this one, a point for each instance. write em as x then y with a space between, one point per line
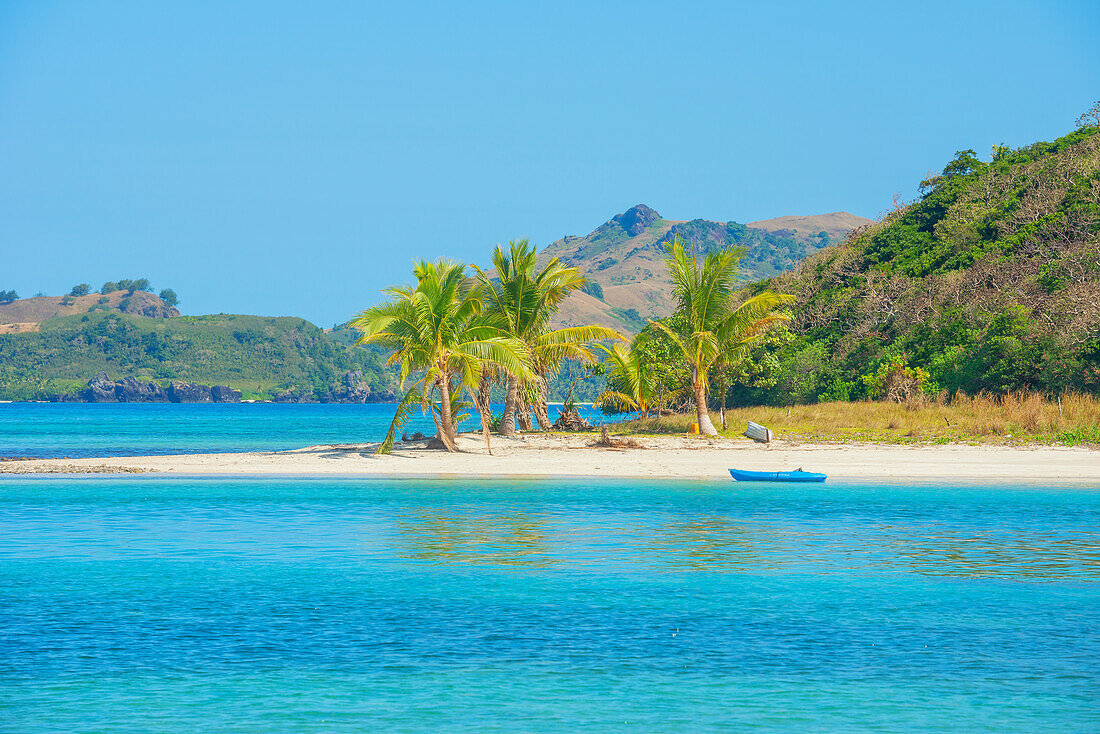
989 282
623 259
264 358
27 313
835 224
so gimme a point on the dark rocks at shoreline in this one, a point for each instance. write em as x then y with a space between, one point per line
185 392
102 389
224 394
294 395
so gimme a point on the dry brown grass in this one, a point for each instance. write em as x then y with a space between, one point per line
1016 418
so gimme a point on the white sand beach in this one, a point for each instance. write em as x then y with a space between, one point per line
553 455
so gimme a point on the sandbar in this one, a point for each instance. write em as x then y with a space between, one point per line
572 455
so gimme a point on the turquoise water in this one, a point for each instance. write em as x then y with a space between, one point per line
52 430
153 605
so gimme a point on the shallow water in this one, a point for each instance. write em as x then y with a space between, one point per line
54 430
146 604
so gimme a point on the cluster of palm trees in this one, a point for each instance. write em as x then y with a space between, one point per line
456 334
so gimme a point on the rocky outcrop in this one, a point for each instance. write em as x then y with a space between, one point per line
636 219
185 392
223 394
354 389
295 395
143 303
350 389
130 390
102 389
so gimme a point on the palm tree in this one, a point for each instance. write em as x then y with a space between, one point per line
633 382
522 299
437 331
715 326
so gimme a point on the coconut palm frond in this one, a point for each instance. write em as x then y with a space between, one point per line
618 400
510 354
399 418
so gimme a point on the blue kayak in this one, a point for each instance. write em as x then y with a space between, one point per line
776 476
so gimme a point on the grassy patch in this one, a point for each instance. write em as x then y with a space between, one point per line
1012 419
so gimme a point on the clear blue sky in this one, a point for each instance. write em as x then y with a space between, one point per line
292 159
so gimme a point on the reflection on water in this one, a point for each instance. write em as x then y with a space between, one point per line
1030 554
439 536
1011 542
717 544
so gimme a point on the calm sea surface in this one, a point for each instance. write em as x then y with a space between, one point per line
164 605
51 430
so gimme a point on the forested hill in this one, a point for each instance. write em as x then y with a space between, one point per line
989 282
265 358
623 259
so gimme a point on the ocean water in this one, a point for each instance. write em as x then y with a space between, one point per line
55 430
145 604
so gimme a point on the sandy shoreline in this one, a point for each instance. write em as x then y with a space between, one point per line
559 456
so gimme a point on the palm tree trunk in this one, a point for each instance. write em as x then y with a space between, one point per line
706 427
511 400
723 406
542 414
523 415
446 428
484 408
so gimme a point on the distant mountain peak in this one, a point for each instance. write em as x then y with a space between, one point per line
635 219
623 259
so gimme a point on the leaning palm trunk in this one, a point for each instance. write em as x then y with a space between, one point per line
542 414
706 427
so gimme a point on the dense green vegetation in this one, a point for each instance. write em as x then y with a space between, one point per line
989 282
766 253
256 355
